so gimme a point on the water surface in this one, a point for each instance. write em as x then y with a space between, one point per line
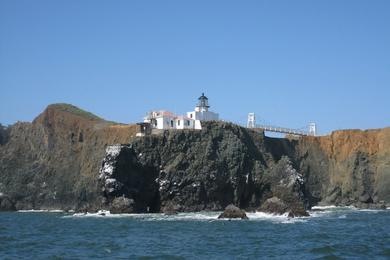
335 233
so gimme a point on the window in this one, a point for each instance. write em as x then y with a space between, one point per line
178 122
188 122
191 115
171 123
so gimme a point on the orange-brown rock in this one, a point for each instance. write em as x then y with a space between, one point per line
53 161
348 166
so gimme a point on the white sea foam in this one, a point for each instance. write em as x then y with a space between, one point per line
152 216
323 207
41 210
371 210
192 216
319 211
284 218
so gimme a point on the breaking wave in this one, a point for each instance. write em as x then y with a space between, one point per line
41 210
191 216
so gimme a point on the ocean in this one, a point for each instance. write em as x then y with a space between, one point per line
332 233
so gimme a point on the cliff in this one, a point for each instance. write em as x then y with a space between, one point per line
197 170
65 159
53 161
348 167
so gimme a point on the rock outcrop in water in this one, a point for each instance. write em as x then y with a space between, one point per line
55 162
232 212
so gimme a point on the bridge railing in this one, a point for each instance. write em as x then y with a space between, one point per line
282 130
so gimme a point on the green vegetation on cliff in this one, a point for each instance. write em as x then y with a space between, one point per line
64 107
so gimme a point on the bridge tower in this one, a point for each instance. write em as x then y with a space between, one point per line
312 129
251 120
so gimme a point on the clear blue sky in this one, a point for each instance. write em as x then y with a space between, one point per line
291 62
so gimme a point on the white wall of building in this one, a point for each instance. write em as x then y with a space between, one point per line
203 116
184 123
197 125
171 122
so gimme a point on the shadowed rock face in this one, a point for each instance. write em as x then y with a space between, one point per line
201 170
188 170
59 161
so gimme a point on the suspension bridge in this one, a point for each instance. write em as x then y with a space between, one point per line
310 130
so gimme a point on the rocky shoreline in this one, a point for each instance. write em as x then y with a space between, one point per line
70 159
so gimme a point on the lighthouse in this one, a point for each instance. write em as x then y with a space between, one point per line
201 111
165 120
203 104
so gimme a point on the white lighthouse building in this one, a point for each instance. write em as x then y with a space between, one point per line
168 120
202 112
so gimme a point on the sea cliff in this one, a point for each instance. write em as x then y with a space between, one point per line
68 158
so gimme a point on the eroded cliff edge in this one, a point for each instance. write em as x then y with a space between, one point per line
55 162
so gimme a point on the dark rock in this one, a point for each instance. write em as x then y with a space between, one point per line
232 211
379 206
298 212
122 175
122 205
6 204
366 198
287 186
4 134
274 206
170 209
375 206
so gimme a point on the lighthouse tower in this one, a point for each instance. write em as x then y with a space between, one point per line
202 112
203 104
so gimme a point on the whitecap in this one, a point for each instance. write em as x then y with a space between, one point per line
40 210
371 210
284 218
193 216
323 207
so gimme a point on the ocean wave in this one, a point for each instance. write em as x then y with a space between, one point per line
316 212
152 216
324 207
191 216
284 218
333 207
40 210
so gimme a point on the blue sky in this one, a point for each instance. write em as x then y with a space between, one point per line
291 62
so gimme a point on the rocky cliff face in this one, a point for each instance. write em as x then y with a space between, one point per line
201 170
347 167
64 159
53 162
